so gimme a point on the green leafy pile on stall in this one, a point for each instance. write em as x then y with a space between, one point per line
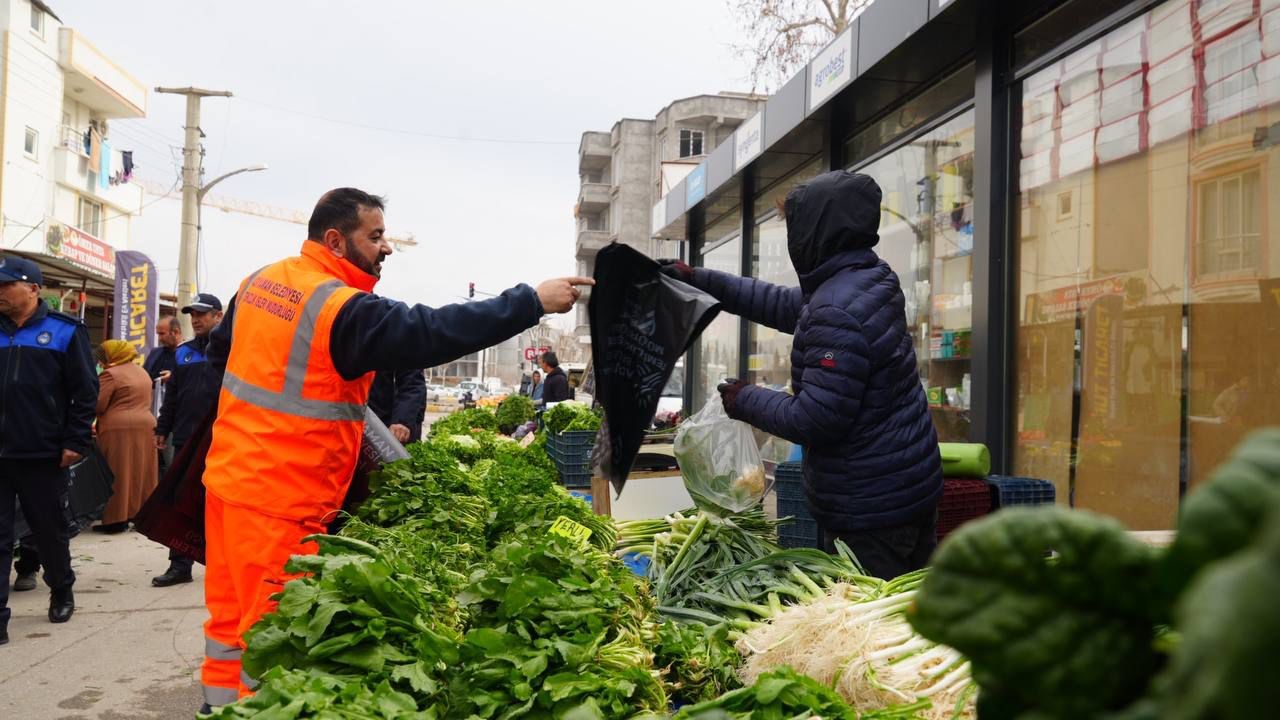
1063 614
514 410
571 416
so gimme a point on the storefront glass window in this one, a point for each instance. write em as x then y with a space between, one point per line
926 236
1148 162
718 348
769 351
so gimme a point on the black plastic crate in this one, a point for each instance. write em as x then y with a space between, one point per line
802 531
571 453
1009 491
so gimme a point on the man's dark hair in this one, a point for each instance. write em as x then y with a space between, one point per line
340 209
550 359
174 322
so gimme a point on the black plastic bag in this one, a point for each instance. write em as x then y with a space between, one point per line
89 484
641 323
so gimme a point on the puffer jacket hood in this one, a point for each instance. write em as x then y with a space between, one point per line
833 213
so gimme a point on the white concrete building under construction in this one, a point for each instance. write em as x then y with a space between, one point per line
625 171
65 181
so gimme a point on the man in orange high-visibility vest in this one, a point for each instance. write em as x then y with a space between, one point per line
298 349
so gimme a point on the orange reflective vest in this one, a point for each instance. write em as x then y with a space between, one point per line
289 425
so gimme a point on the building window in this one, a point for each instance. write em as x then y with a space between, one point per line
1065 205
37 20
31 144
89 217
690 143
1229 210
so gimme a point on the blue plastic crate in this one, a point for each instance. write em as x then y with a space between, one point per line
637 563
1010 491
571 453
584 497
802 531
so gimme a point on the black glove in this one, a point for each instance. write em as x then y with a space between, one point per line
729 390
677 269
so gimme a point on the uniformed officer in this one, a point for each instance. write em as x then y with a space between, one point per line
48 392
185 405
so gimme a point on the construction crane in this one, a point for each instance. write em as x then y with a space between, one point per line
254 208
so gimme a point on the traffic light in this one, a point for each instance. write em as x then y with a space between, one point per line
471 290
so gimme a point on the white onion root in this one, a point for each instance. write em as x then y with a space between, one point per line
866 650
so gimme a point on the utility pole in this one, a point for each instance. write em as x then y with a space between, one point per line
191 170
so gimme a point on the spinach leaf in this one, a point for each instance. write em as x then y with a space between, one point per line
1225 663
1070 635
1226 514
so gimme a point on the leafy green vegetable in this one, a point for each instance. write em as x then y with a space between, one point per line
1071 637
558 628
567 416
782 693
357 612
461 422
514 411
1226 514
699 662
1224 665
313 694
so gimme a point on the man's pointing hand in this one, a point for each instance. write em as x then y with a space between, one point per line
559 295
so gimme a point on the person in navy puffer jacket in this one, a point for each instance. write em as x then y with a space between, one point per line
873 473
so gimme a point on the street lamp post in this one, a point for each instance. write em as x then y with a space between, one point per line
187 250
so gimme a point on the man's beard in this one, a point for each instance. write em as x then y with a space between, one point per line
355 258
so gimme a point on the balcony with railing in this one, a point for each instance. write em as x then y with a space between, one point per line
71 168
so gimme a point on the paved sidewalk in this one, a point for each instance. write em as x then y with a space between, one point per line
131 652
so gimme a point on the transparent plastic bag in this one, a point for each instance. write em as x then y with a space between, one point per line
719 461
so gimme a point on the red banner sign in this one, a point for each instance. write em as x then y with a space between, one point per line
80 249
532 353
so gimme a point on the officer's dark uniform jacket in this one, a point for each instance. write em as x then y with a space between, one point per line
48 387
186 399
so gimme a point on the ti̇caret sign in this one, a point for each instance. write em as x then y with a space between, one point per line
136 301
830 70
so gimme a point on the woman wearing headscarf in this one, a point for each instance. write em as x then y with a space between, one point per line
126 432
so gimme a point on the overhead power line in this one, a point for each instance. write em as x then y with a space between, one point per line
414 133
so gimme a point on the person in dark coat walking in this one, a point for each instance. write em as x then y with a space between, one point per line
555 388
48 393
872 468
187 400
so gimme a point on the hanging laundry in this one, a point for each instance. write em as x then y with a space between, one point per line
95 149
126 160
104 173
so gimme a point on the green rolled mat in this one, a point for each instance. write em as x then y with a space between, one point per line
965 460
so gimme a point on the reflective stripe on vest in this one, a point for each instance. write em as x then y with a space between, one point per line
218 696
215 650
289 401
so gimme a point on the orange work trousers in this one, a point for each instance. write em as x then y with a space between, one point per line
245 554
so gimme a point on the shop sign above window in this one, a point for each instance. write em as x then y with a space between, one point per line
696 186
831 70
748 141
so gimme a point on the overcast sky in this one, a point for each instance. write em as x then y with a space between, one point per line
493 213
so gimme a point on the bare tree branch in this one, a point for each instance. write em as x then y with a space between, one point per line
782 35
